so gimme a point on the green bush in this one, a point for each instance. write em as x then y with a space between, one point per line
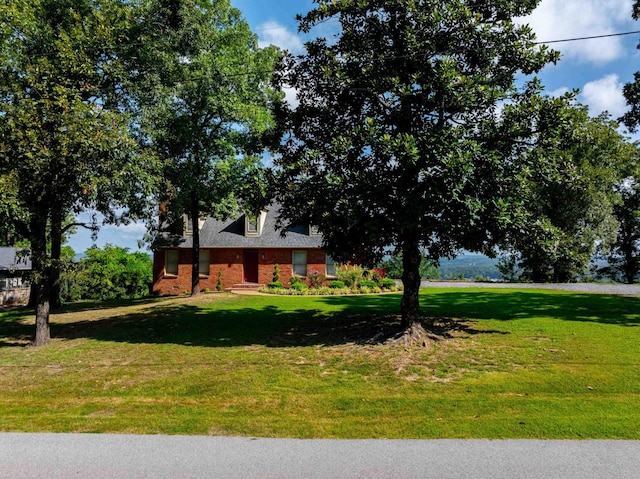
276 273
366 283
299 286
109 273
350 275
337 285
275 285
387 283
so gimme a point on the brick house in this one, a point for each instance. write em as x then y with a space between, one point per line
244 250
14 288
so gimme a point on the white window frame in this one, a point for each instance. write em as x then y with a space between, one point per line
204 266
188 231
314 230
299 264
331 263
167 253
252 225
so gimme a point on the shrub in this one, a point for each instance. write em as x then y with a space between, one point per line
367 283
299 286
275 285
336 285
350 275
387 283
316 279
276 273
294 280
219 283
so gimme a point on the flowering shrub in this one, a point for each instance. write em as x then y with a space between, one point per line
316 279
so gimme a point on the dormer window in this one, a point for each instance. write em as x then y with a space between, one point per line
253 224
314 230
188 224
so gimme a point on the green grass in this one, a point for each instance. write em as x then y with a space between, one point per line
516 364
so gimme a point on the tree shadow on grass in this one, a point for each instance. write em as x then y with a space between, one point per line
334 320
506 305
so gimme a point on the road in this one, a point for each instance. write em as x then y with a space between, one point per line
102 456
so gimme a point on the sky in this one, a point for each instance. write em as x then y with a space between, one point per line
598 68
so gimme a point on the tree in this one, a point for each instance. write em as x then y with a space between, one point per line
210 106
632 89
573 209
388 145
65 134
109 273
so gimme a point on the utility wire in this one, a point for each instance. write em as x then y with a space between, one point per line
588 38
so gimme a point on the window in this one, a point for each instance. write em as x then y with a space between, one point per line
332 266
314 230
203 266
188 225
252 224
299 263
171 262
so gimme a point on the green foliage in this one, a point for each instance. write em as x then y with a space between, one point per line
205 122
299 286
350 275
366 283
570 195
275 285
387 283
393 267
109 273
336 284
219 282
66 135
396 138
294 280
276 272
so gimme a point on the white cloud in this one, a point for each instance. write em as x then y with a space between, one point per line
558 92
604 94
563 19
272 33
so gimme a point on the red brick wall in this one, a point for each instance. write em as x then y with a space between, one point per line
230 262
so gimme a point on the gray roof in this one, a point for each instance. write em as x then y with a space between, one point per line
231 234
9 261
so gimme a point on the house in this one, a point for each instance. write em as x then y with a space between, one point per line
243 251
14 288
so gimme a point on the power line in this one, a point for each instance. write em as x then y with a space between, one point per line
576 39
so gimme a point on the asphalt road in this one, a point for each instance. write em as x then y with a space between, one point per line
98 456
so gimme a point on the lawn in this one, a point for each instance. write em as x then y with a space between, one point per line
515 364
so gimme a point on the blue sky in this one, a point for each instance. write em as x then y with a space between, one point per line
598 68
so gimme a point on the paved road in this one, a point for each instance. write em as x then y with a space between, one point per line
98 456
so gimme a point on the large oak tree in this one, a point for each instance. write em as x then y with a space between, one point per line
388 144
208 105
65 133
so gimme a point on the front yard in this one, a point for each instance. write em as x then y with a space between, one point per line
516 364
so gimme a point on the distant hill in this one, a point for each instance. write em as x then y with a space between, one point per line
470 265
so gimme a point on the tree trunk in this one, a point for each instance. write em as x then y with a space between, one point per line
410 304
195 249
56 251
42 283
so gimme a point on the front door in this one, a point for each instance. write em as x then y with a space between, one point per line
251 266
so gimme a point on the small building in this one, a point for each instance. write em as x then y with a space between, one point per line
14 286
243 251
